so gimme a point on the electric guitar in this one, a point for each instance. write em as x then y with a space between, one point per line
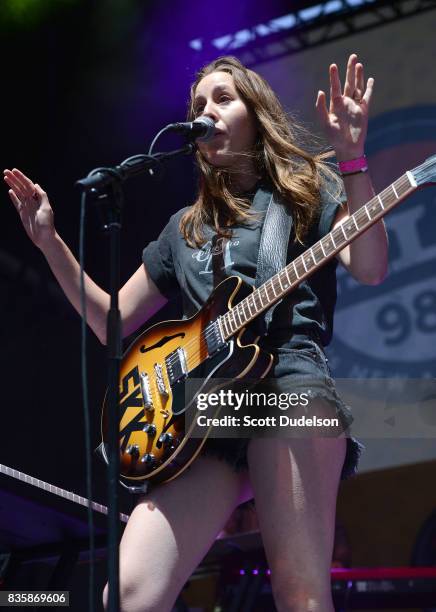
54 490
217 343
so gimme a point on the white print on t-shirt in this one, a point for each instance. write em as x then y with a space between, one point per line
206 253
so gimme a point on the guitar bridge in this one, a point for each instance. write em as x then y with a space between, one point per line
145 391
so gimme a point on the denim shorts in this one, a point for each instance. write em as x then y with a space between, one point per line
300 364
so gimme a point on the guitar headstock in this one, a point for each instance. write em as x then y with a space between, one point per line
425 174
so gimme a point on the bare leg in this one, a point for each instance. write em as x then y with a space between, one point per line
295 483
170 531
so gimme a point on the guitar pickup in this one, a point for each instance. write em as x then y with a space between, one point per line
214 339
145 391
160 380
176 365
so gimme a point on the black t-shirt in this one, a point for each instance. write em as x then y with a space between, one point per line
176 267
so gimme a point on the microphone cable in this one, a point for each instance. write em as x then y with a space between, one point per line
84 375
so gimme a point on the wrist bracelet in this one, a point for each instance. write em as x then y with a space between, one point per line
353 173
353 166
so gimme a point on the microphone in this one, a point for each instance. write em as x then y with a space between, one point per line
202 129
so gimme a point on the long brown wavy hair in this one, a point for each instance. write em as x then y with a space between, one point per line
295 173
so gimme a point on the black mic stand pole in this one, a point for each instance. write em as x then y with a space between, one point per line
109 180
114 354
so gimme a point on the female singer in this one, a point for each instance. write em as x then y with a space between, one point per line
253 154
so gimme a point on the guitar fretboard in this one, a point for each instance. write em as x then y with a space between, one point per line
313 258
40 484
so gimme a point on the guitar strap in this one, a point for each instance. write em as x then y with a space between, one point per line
273 247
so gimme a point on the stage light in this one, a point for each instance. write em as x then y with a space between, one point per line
29 11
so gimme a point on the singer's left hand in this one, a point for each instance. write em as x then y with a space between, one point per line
345 123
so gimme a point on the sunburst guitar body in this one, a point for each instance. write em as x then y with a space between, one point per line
154 374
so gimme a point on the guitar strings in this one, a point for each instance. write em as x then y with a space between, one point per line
244 304
205 335
335 235
240 309
291 268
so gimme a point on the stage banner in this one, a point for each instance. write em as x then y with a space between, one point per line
386 331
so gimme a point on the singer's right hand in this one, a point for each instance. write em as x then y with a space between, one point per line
32 205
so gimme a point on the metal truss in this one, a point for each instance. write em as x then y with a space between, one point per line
331 21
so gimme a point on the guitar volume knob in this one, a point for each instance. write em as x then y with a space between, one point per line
148 459
166 438
133 450
150 429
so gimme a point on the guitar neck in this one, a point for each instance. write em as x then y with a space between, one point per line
40 484
279 285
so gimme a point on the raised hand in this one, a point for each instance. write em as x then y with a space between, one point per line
345 123
32 205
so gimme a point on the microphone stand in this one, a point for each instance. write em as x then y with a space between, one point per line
105 185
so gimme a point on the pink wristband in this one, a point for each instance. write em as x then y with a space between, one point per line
353 165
